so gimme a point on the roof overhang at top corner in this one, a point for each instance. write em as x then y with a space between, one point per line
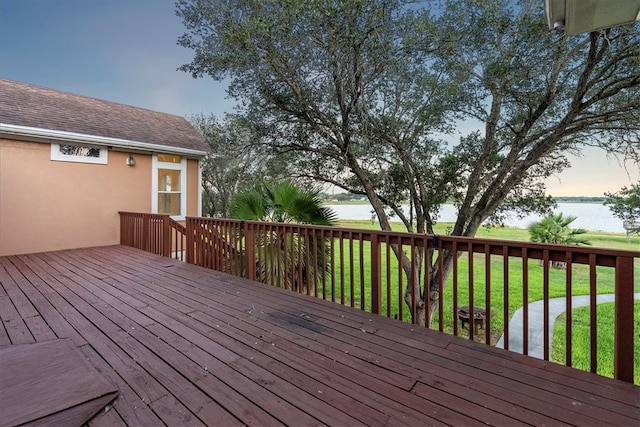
582 16
49 135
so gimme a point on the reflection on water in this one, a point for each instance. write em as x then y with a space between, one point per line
590 216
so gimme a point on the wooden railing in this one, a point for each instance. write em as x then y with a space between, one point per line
217 244
158 234
359 268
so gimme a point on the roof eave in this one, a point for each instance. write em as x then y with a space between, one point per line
50 135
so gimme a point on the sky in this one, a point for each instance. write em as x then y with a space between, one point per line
126 51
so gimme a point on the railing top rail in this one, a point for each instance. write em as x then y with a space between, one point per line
175 224
218 220
477 242
141 214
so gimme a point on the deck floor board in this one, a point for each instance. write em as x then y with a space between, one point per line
190 346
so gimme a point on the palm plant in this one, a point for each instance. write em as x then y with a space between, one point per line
291 259
554 229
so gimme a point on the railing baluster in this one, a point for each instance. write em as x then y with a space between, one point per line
427 280
341 270
441 286
333 266
361 271
525 302
487 293
593 324
472 319
351 272
545 309
376 290
505 297
323 241
569 315
400 283
250 251
454 309
412 280
298 260
317 262
388 275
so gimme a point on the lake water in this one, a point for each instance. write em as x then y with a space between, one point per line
590 216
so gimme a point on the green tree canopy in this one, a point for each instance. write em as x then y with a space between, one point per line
360 93
625 205
232 163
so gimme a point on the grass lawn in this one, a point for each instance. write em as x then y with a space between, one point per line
581 329
356 291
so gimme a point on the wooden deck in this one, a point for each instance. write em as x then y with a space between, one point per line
190 346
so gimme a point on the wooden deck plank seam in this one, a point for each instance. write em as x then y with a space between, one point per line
127 345
69 327
543 368
412 383
353 420
166 322
267 344
64 315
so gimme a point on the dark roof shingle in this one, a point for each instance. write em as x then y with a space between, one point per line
22 104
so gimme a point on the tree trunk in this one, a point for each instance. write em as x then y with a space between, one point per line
434 283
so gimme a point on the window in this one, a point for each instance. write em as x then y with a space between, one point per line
79 153
169 185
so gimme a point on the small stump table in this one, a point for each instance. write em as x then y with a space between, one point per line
479 316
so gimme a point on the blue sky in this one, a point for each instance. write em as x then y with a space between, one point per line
126 51
119 50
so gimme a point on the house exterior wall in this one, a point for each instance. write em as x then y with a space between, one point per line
50 205
193 193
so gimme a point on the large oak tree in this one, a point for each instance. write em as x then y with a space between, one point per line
360 94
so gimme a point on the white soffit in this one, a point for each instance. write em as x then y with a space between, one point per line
50 135
582 16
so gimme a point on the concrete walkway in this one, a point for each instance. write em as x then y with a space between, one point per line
557 306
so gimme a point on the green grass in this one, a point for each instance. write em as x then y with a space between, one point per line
359 292
580 339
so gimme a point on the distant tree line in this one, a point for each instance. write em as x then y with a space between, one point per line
579 199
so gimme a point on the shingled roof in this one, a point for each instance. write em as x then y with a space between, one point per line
33 107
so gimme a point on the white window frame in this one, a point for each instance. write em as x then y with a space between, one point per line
182 167
57 156
199 187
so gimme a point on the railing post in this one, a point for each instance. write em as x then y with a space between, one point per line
166 236
376 288
190 240
145 223
122 228
623 353
250 248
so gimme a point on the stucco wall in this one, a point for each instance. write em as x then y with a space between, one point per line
50 205
193 193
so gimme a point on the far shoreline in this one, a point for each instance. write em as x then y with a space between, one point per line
559 199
